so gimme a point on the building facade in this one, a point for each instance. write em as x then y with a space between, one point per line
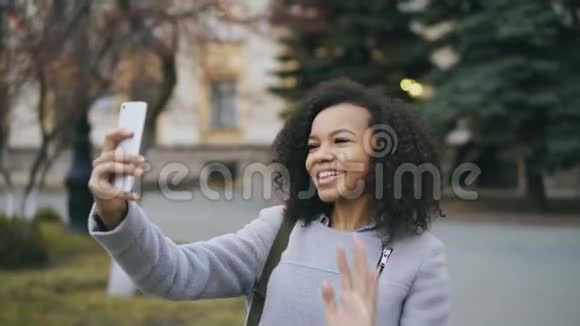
220 107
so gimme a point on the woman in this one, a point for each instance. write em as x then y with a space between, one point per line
351 159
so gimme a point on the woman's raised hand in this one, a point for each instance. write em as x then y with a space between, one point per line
110 202
357 303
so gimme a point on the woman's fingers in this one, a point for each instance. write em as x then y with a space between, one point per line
328 299
102 189
344 270
118 156
358 294
115 168
100 182
114 137
365 282
372 289
359 277
112 162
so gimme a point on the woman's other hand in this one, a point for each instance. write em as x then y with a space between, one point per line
358 298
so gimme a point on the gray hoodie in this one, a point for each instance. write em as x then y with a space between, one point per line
413 287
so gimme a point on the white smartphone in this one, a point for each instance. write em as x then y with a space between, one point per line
131 118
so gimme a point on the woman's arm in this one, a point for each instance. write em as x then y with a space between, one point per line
428 302
224 266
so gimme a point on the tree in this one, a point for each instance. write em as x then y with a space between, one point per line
14 73
514 81
70 51
368 41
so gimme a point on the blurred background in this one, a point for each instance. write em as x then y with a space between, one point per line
497 81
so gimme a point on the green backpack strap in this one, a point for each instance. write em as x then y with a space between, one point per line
279 245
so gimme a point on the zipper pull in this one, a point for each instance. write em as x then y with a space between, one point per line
384 258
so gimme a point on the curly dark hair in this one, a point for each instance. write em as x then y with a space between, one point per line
402 209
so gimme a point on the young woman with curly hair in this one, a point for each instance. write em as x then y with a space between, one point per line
359 176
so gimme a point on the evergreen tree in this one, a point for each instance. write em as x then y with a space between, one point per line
517 79
368 41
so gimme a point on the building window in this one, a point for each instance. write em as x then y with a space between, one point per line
224 113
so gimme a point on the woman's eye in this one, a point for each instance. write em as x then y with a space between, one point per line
312 146
341 140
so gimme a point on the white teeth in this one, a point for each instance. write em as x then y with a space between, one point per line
328 173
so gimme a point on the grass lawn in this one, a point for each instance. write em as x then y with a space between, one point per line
71 291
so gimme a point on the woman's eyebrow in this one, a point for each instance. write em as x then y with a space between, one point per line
342 130
334 132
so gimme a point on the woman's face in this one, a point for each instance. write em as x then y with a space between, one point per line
337 161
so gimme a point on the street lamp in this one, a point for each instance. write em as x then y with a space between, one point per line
80 199
414 88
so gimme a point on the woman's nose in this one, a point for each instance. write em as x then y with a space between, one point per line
323 154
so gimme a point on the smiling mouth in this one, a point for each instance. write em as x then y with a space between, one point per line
327 177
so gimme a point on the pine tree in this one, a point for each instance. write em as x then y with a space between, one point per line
368 41
516 81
